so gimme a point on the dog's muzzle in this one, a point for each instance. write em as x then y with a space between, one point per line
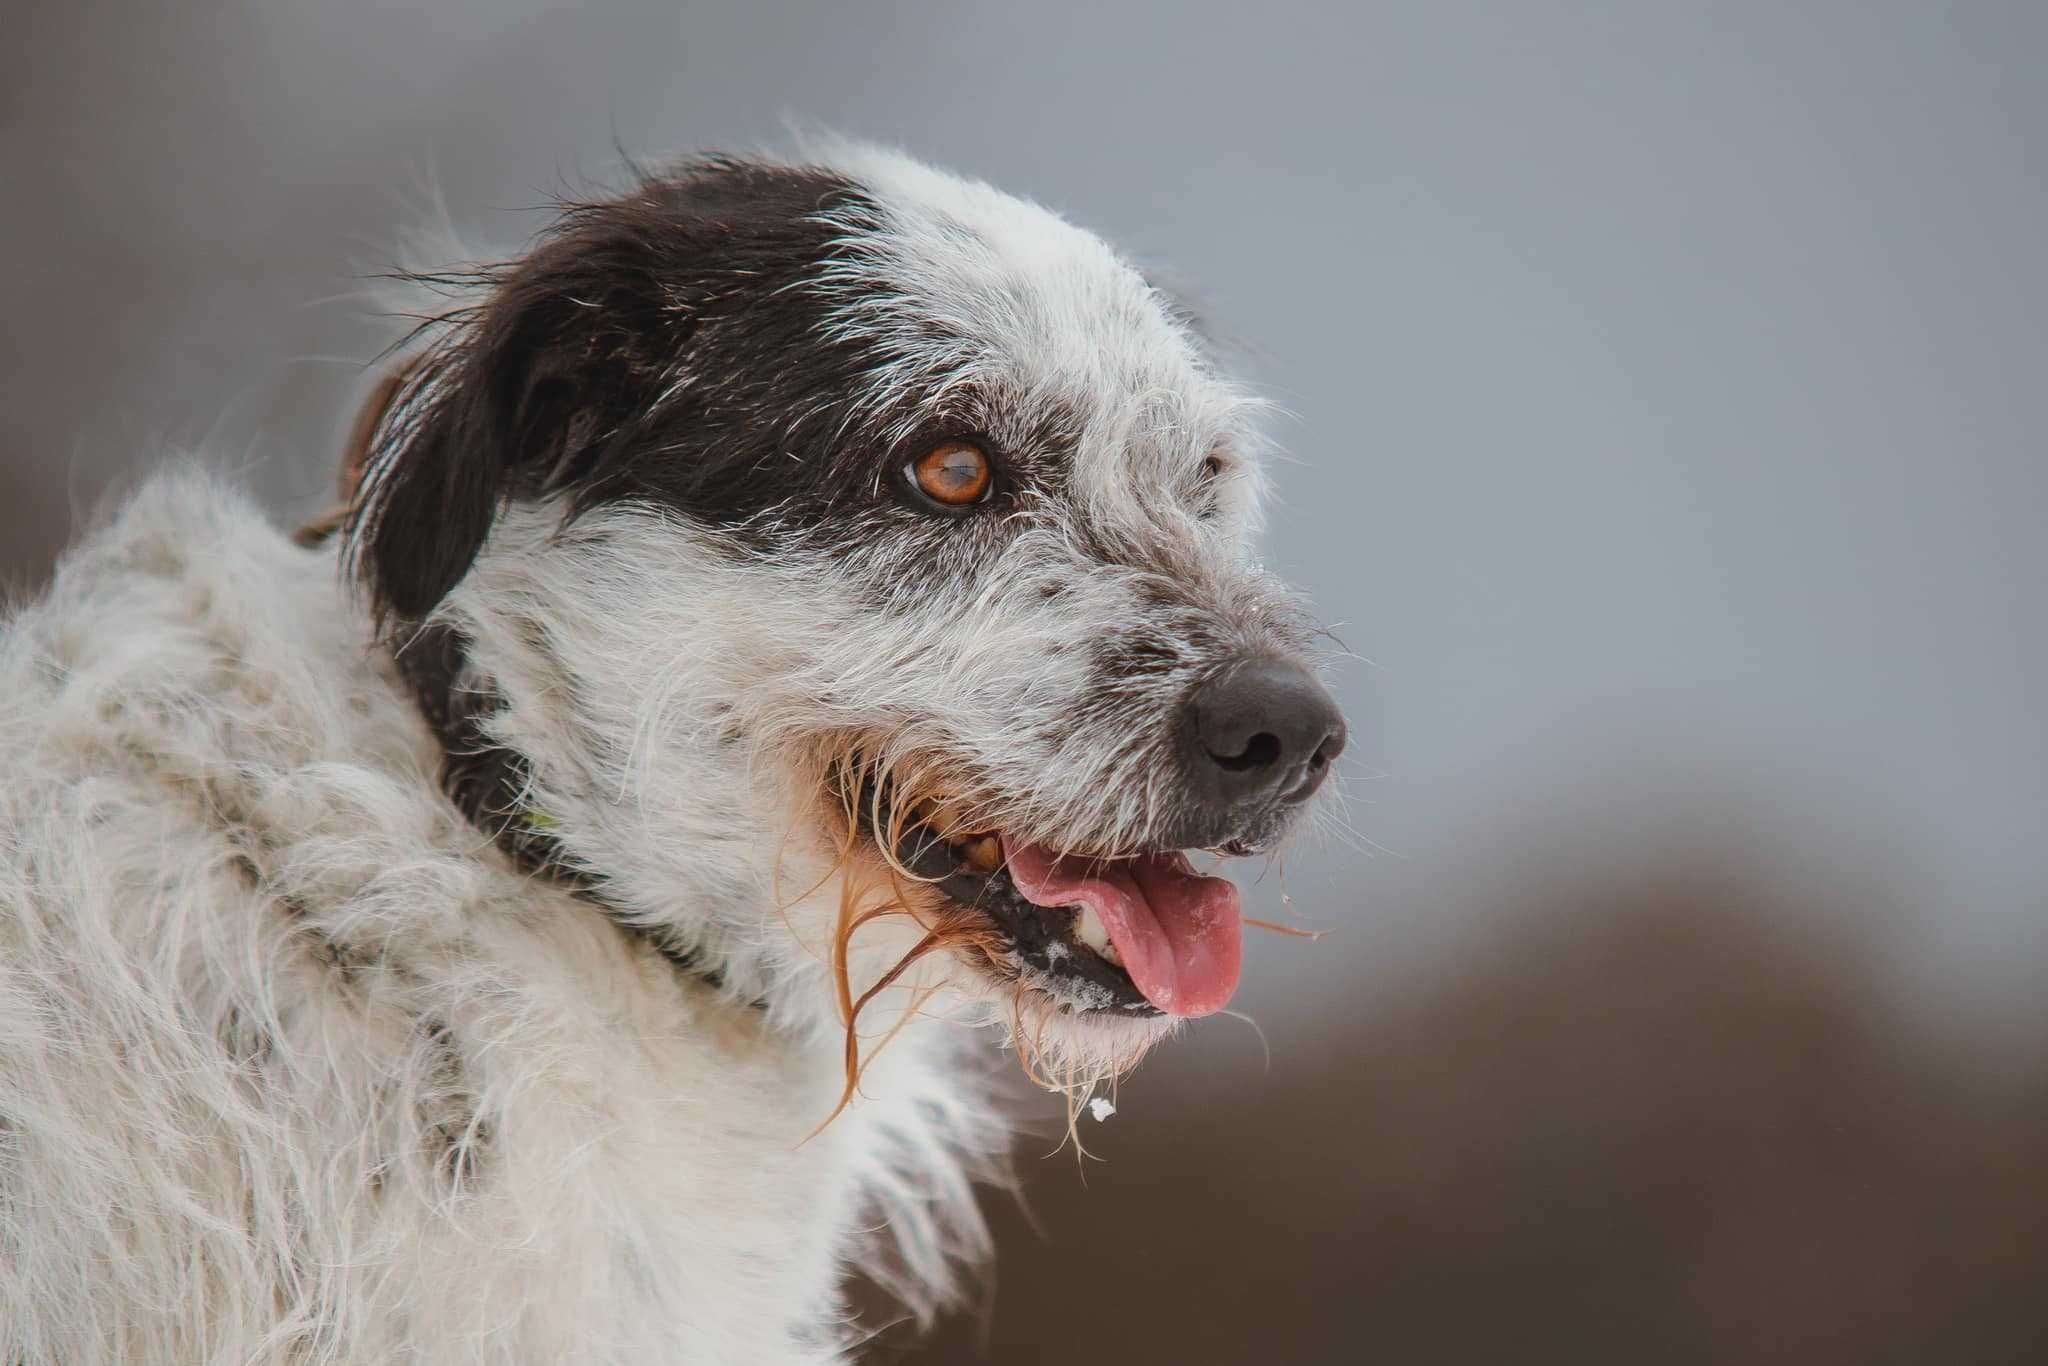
1145 932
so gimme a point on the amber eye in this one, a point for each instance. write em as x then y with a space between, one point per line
953 473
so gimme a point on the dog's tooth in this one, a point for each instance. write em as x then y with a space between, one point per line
937 816
1089 929
984 853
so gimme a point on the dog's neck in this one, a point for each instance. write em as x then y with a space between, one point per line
588 695
490 782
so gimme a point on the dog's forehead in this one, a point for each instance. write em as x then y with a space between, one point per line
981 288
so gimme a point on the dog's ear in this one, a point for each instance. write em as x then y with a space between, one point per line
661 344
520 397
355 456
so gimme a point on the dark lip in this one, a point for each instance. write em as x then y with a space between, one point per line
1044 950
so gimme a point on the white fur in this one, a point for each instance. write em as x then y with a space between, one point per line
215 1147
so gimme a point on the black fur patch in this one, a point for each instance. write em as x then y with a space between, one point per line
668 344
485 780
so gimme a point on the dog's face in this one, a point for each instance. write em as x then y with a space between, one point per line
855 539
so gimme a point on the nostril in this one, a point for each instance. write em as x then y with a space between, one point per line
1327 751
1261 751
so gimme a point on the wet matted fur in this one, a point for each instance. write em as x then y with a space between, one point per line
447 940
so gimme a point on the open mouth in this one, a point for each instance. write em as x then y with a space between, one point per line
1146 935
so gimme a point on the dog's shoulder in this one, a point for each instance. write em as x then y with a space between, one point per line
193 704
234 912
185 629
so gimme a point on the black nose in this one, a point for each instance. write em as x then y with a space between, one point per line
1265 730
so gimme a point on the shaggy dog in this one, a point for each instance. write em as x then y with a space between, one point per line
795 610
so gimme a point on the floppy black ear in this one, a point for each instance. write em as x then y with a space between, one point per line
515 399
689 290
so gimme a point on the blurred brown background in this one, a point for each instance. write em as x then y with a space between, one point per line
1664 426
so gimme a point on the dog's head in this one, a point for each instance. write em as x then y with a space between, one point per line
856 561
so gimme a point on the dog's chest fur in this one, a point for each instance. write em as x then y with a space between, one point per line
296 1066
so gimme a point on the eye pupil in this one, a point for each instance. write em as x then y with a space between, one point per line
955 473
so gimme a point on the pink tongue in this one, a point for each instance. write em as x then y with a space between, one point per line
1179 933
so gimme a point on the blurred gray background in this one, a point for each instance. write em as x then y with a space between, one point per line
1666 388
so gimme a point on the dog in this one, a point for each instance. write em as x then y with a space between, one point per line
790 629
